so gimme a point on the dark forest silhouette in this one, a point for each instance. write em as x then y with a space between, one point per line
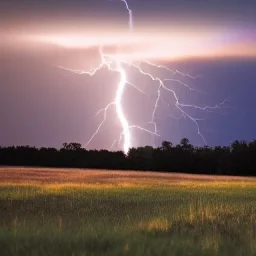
237 159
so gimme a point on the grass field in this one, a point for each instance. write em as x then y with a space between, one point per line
90 212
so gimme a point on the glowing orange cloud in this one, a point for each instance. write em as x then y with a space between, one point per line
166 44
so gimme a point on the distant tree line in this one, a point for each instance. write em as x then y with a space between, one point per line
237 159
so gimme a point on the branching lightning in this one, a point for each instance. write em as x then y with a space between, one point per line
114 64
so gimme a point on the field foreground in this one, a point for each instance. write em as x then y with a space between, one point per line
91 212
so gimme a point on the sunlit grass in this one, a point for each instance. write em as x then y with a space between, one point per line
122 216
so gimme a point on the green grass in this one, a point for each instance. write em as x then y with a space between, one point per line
190 218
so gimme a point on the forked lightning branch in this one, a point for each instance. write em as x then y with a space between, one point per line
114 64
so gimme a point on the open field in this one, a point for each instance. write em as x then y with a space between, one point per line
91 212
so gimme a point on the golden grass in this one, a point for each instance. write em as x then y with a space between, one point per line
101 212
58 178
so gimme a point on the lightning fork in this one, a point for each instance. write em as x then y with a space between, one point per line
114 64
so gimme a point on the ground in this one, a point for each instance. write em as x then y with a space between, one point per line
92 212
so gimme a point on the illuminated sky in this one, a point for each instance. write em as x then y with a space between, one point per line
44 106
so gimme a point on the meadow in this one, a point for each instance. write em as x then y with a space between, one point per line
91 212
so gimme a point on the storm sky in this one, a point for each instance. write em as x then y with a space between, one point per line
43 105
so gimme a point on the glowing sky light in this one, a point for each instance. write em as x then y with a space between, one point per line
116 63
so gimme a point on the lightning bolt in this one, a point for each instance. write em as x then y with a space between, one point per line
119 109
114 64
130 14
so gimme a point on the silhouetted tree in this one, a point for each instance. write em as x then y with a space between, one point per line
72 146
238 159
185 144
166 145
